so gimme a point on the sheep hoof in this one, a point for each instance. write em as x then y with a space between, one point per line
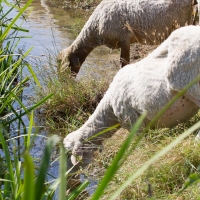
72 142
74 147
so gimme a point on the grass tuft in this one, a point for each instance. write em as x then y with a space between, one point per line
73 100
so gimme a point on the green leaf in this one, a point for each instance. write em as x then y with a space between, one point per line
78 190
5 33
10 175
28 141
33 74
29 109
29 186
62 185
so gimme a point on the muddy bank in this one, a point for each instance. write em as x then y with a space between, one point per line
74 4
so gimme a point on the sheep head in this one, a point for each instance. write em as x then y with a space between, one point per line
67 60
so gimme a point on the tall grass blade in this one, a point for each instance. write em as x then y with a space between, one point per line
192 179
29 109
9 176
29 184
77 191
28 141
51 189
16 28
21 11
4 180
17 174
33 74
39 188
1 197
62 185
104 131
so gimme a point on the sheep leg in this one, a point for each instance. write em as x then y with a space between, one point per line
81 142
125 53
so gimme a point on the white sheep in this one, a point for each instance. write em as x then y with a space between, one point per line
117 24
146 86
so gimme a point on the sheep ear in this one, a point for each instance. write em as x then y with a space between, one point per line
183 62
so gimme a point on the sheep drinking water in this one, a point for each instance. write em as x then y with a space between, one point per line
117 24
146 86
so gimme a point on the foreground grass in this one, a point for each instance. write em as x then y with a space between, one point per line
18 179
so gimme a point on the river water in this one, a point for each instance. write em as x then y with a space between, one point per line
50 35
53 35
